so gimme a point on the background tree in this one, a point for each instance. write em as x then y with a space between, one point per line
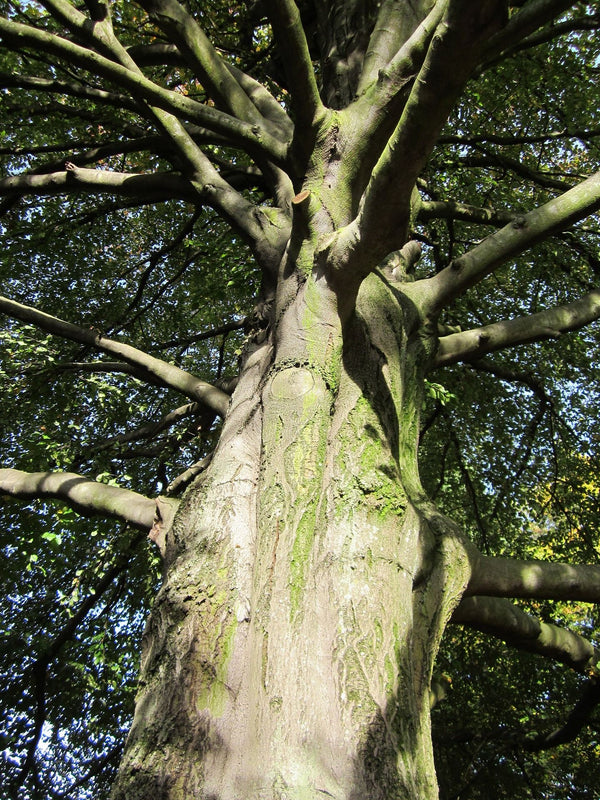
287 285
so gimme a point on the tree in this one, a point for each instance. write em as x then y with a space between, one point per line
390 203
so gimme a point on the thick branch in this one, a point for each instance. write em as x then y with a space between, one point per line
377 110
451 57
87 497
211 186
549 324
542 580
158 186
265 235
264 101
183 31
502 619
513 239
302 84
172 376
244 134
390 33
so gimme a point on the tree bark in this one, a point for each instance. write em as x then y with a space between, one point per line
308 580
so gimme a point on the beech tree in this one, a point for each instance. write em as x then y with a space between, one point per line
305 291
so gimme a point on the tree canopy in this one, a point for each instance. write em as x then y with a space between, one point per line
154 161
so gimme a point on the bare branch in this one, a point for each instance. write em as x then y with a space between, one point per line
579 717
169 374
452 54
98 367
220 82
513 376
543 580
525 231
390 34
549 324
199 337
153 187
532 16
493 138
504 620
151 429
51 650
254 139
430 209
585 23
179 483
71 88
87 497
89 151
302 84
491 159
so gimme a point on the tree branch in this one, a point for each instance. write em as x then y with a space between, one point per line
542 580
250 137
532 16
452 54
439 209
98 367
169 374
88 151
306 103
150 429
87 497
504 620
549 324
53 648
518 139
378 108
494 159
391 34
199 337
221 84
264 101
265 235
579 717
71 88
525 231
158 186
589 23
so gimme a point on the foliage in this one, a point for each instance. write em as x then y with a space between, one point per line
508 445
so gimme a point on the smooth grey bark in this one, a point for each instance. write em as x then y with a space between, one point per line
507 577
86 496
290 651
503 619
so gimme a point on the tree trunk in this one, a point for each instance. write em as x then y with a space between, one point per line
308 581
